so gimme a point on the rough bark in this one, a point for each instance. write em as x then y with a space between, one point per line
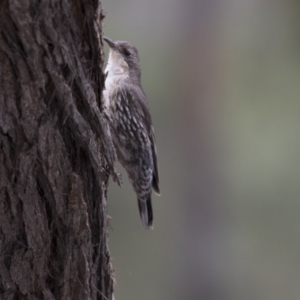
55 152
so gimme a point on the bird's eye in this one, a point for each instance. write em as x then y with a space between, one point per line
126 52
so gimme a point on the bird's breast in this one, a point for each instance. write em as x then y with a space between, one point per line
111 85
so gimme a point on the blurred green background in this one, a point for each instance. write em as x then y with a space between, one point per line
223 82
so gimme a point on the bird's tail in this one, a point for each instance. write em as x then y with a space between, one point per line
146 213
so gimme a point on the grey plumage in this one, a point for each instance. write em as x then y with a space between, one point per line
127 110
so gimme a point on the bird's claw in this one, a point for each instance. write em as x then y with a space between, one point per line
117 177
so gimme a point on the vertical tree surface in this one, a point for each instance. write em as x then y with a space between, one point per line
55 152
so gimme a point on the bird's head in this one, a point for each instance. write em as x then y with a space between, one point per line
123 59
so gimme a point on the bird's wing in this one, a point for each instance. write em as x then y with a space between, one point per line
155 181
136 95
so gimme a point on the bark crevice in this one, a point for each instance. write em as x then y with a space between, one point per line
56 152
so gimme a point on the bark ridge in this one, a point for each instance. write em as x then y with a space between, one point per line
56 153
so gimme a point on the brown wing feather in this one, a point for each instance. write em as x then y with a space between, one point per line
136 94
155 180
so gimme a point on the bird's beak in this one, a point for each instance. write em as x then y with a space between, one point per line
110 43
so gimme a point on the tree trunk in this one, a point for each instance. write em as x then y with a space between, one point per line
56 153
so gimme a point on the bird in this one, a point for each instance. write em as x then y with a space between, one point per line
127 111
